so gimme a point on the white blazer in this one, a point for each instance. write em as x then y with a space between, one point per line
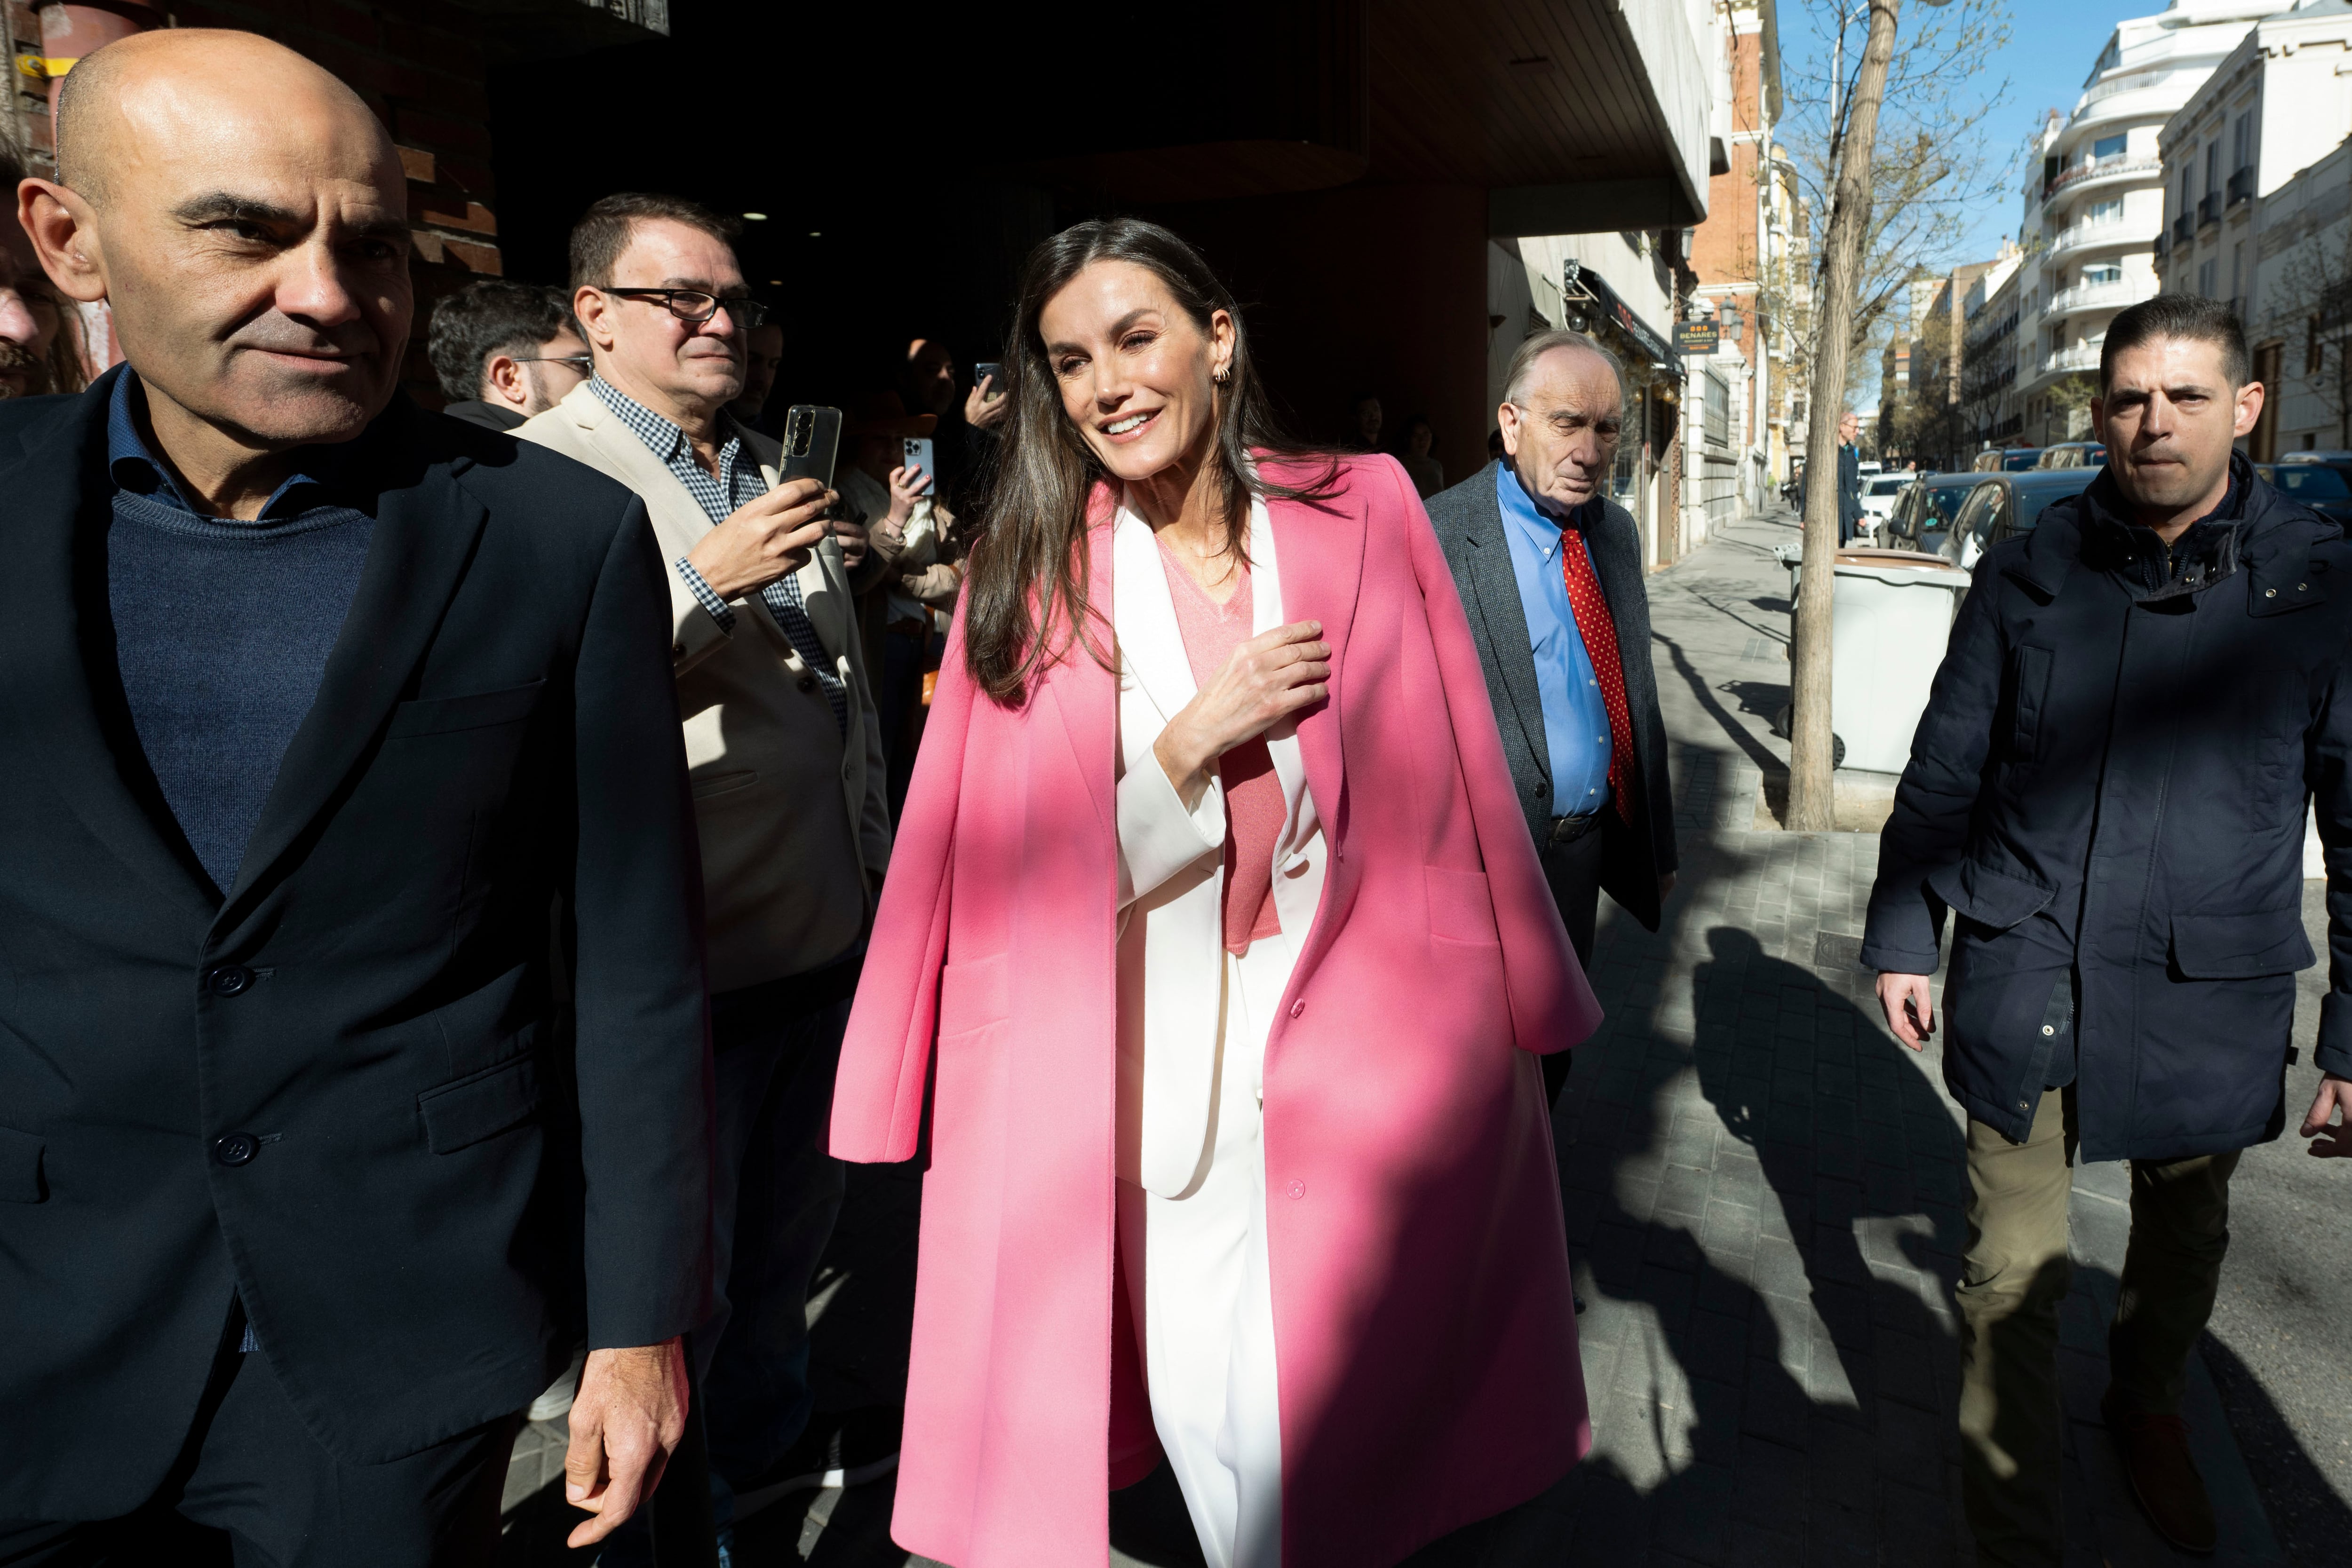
1172 974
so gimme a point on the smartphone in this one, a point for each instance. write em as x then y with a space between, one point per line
812 442
918 455
981 372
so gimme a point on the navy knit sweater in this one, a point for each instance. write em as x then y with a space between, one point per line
221 633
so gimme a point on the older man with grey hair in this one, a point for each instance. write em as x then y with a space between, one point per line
1550 571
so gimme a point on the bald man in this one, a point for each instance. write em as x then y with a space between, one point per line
314 706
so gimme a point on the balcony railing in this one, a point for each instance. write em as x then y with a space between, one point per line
2184 230
2095 296
2080 357
2209 208
2241 185
2097 168
2131 83
2102 231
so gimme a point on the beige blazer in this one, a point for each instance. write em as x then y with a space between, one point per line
794 818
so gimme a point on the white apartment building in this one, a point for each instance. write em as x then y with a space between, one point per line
2096 197
2256 201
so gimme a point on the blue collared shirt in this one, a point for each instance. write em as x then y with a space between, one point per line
1576 721
136 468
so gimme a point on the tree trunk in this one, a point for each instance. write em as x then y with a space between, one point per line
1811 807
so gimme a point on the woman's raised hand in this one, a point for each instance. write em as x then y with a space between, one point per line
1268 679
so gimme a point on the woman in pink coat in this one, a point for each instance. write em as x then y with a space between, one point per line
1208 974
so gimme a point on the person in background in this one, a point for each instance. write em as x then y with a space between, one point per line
1368 419
784 751
298 1158
903 519
927 384
40 335
1550 569
763 355
1849 478
1427 473
2108 790
504 350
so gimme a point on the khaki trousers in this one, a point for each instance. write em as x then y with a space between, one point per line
2011 1282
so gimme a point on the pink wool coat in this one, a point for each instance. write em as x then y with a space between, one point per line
1424 1329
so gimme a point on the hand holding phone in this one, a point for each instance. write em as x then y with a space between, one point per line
768 537
985 406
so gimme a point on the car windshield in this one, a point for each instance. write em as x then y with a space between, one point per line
2312 482
2020 460
1943 503
1887 486
2031 498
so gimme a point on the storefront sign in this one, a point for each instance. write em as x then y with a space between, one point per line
1696 337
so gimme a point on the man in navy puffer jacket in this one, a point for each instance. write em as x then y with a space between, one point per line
2107 792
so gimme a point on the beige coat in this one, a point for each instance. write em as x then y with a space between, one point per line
795 821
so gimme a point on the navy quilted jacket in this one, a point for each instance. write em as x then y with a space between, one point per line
2107 790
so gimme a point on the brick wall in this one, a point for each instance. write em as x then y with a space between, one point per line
420 66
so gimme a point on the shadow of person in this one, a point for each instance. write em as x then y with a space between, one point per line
1864 1161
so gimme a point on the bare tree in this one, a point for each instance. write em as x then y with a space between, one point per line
1887 214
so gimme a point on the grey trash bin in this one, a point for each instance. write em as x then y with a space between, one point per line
1892 620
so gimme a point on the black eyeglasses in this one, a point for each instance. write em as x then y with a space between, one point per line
695 306
581 363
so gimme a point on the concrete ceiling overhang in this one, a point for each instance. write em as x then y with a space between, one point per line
1575 115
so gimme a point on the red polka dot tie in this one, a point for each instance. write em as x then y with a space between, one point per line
1599 630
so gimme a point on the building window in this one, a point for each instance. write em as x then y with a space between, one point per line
2312 352
2106 272
2110 211
2108 146
2238 279
2213 167
2205 271
2242 140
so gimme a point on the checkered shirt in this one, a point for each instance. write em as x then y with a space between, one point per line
738 482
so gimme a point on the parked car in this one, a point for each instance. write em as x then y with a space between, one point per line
2007 459
1879 494
2325 488
1922 514
2001 505
2072 455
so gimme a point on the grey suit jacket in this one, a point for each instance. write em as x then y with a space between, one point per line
1639 848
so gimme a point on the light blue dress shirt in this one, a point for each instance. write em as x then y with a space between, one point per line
1576 721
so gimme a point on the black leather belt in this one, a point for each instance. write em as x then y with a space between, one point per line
1567 830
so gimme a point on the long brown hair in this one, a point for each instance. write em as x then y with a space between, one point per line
1025 598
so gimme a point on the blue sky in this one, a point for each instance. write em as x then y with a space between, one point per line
2051 48
2050 45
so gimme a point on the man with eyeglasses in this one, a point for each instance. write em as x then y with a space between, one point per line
504 350
1550 571
785 758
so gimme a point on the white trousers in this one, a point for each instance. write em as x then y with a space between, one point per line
1198 1286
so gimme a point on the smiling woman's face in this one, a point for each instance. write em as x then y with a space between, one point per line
1134 370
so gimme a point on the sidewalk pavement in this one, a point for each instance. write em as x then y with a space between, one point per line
1765 1190
1764 1196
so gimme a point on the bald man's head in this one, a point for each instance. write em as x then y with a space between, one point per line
90 100
245 216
